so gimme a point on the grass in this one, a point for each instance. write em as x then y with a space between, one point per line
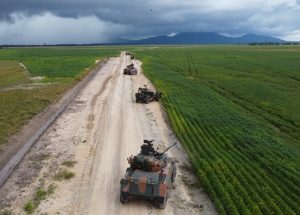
69 163
5 212
18 106
64 175
61 68
30 207
236 110
57 62
11 74
40 195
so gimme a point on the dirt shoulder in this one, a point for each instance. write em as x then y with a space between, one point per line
36 126
98 130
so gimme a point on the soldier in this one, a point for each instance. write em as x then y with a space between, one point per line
147 148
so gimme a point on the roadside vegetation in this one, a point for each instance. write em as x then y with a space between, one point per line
236 110
5 212
11 73
69 163
48 73
64 175
40 195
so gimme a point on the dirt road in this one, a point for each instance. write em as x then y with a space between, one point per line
99 130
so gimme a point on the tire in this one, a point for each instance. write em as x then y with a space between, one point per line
157 96
161 203
147 100
124 197
174 174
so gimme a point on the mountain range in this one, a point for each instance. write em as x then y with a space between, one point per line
186 38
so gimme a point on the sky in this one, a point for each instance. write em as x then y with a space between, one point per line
99 21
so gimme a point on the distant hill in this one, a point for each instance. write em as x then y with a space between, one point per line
202 38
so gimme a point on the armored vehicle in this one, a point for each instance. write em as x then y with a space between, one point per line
144 95
130 70
149 176
130 54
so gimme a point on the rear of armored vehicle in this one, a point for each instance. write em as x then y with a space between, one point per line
148 185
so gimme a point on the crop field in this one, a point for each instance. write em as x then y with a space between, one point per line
11 74
57 62
22 96
236 109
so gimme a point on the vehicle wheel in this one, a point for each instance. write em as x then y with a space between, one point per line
174 174
161 202
124 197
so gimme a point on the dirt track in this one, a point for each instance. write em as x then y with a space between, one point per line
99 130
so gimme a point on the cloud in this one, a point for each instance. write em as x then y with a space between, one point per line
140 18
51 29
293 36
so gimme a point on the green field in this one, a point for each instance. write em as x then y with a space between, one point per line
57 62
11 74
22 97
236 109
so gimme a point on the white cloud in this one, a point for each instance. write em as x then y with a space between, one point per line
51 29
292 36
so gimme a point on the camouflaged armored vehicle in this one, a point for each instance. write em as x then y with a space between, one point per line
144 95
130 70
130 54
149 176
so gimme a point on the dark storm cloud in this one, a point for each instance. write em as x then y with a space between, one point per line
140 18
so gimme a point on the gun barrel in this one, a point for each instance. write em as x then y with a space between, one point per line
169 148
